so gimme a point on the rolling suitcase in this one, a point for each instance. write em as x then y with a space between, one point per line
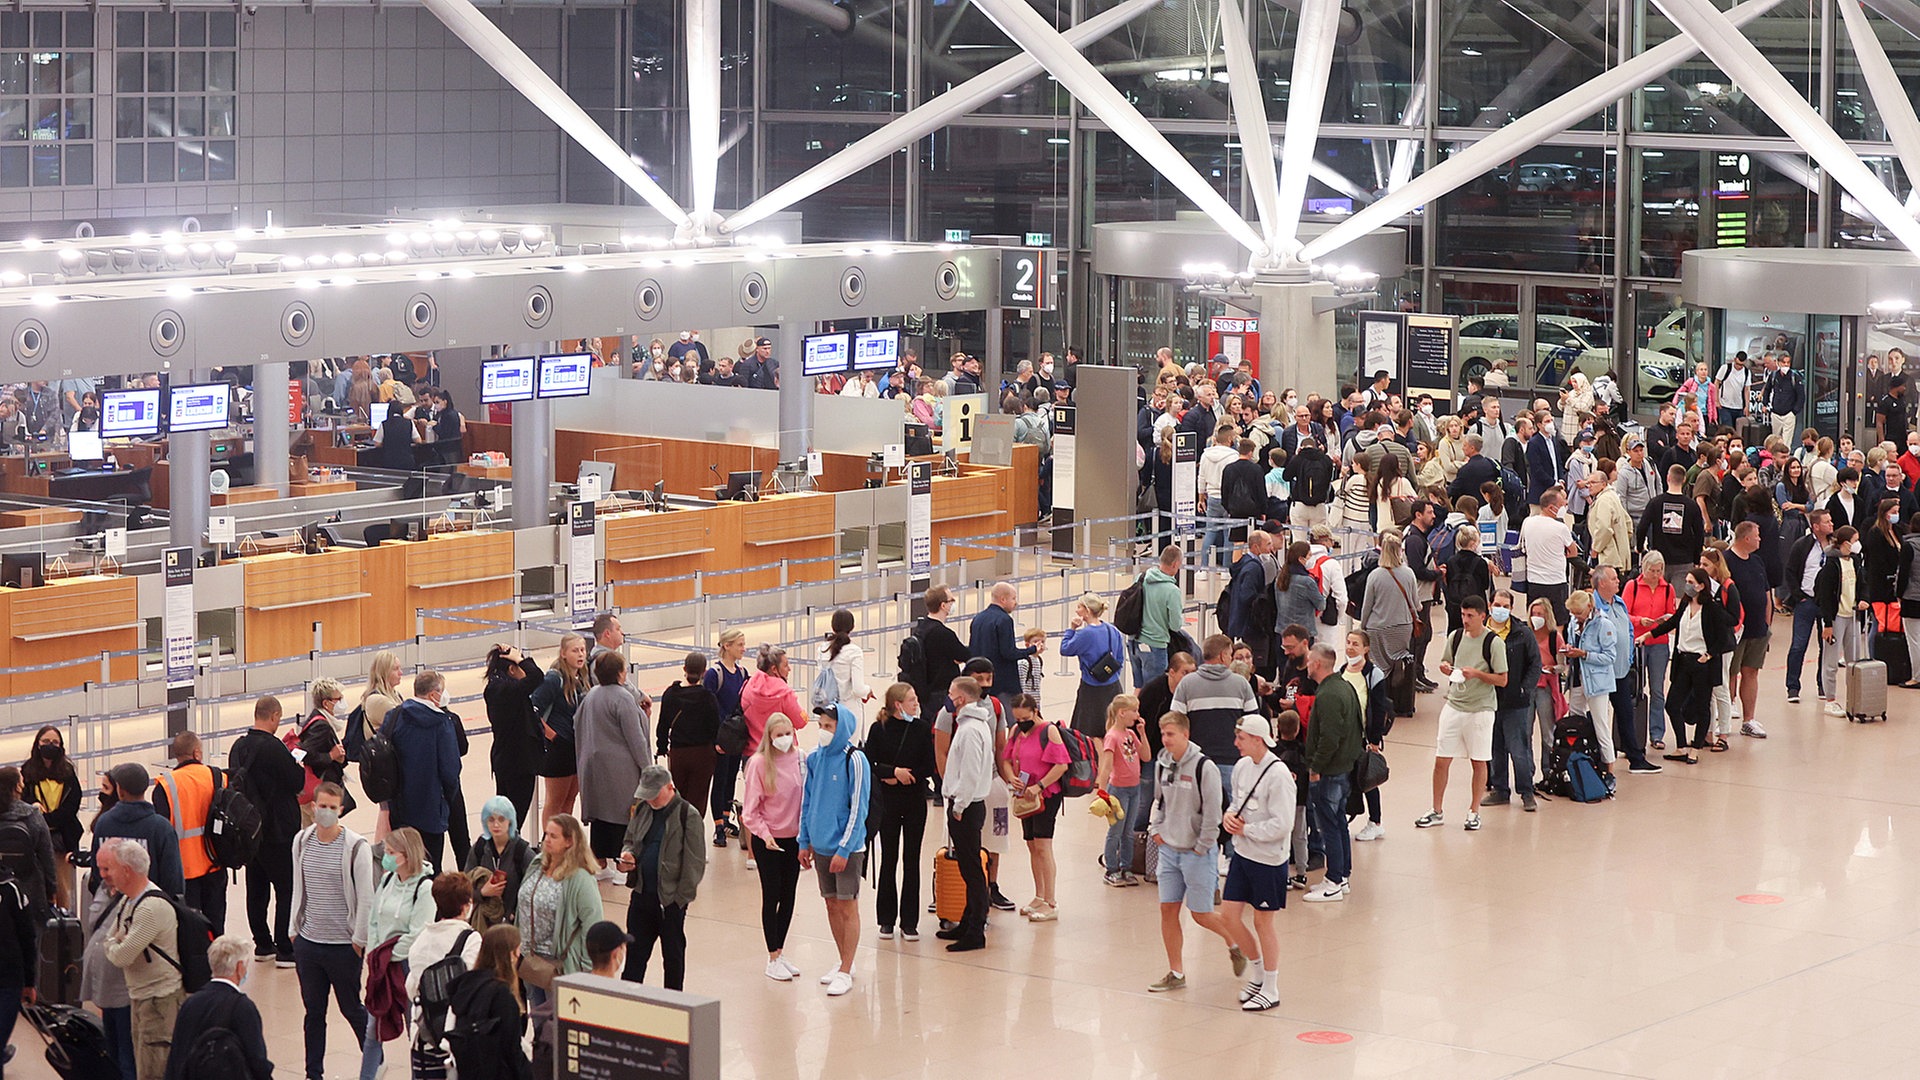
949 888
1863 690
1146 858
62 944
1890 648
77 1046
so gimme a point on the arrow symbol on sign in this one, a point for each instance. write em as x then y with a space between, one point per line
575 1003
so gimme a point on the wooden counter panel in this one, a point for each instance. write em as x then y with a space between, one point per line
386 614
69 619
636 541
240 495
288 632
454 570
302 488
1024 484
40 517
286 579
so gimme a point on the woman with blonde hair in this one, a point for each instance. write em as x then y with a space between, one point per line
1549 703
1102 651
402 906
558 901
554 703
770 814
380 696
1387 611
725 680
1452 448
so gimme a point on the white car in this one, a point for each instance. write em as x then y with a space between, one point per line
1669 335
1563 344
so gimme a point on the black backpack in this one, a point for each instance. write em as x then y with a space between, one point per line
355 739
436 990
1130 608
233 824
192 935
380 768
1357 585
16 849
216 1055
912 661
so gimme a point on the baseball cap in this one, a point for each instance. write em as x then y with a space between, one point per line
763 341
603 937
1256 725
653 778
130 778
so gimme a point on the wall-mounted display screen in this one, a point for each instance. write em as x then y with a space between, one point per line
199 407
876 350
507 379
826 354
129 414
570 375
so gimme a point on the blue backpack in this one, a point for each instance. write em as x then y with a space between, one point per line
1585 781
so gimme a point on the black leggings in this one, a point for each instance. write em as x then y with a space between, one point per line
726 770
779 881
1690 697
903 823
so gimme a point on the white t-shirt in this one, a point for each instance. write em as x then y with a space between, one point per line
1733 390
1544 540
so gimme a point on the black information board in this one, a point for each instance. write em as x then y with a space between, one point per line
1430 353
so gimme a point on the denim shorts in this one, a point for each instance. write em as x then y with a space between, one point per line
1190 876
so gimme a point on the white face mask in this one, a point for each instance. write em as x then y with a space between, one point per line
823 738
326 817
1539 622
1499 614
783 743
1426 410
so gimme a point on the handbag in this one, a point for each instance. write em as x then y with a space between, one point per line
1106 667
1370 771
1025 806
731 737
538 971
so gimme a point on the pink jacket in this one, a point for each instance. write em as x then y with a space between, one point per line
1713 399
776 816
763 696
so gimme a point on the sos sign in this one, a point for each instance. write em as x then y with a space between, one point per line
1026 279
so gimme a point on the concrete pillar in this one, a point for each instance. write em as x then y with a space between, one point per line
271 430
1296 345
993 366
188 494
796 394
531 451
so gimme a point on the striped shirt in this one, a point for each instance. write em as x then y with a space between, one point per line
322 874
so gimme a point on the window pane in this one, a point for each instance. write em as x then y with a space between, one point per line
220 67
188 116
132 74
191 76
46 29
13 166
160 71
129 163
220 116
222 29
130 31
79 118
48 121
80 35
159 162
13 73
193 161
159 28
160 118
79 165
13 31
46 165
79 73
13 119
220 157
129 118
46 73
193 28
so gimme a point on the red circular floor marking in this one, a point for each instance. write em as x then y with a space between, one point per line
1760 898
1324 1038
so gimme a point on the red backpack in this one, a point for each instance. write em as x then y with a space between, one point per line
1083 759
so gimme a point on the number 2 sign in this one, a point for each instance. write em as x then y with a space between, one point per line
1026 279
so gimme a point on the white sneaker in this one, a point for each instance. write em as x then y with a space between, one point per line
751 865
1373 831
827 979
1833 709
1752 730
777 971
792 969
1326 892
840 983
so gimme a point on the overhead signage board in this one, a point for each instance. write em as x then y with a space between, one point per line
1432 351
1026 279
1382 345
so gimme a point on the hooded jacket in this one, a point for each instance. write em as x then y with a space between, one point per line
1160 614
429 764
1186 804
357 881
485 1025
1214 699
833 809
136 819
764 695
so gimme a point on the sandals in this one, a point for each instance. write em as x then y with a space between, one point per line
1657 745
1675 757
1718 746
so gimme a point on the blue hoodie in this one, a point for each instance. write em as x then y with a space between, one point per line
429 764
833 809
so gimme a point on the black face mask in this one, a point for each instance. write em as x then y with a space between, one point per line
1025 726
107 801
51 753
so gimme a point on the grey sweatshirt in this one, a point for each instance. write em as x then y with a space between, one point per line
1186 811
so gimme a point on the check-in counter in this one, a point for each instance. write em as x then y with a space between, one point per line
974 503
643 547
287 592
446 570
68 619
794 527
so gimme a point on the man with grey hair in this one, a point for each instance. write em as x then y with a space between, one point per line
222 1005
144 943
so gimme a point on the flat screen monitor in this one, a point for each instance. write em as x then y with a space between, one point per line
23 571
86 446
129 414
378 412
739 482
199 407
507 379
876 350
569 375
826 354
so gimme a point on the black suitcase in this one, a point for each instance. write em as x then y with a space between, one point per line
77 1046
1890 648
63 943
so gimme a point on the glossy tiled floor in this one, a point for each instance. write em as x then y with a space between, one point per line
1583 941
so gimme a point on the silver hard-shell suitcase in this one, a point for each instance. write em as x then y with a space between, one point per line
1863 690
